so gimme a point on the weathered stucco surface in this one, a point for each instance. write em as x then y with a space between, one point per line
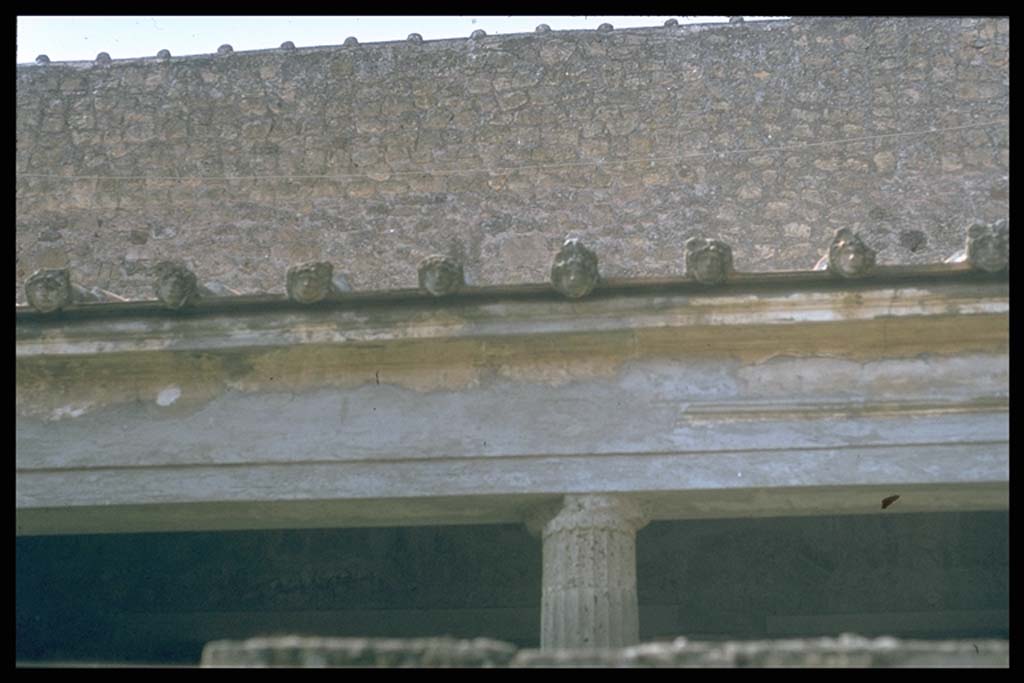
772 402
741 119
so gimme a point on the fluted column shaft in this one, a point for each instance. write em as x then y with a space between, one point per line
589 596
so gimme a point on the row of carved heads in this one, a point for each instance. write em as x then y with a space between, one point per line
574 271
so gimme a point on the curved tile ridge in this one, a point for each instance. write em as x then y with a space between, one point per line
467 41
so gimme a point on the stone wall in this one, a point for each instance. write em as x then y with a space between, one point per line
769 135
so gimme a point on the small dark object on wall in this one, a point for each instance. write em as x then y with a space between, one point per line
886 502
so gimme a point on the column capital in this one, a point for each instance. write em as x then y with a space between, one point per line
588 511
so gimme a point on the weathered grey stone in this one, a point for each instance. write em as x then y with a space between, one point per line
479 33
440 275
848 256
708 261
670 23
292 651
605 28
225 49
80 294
845 651
287 45
415 38
164 54
543 28
213 288
351 41
49 290
574 272
103 58
736 20
176 285
959 256
340 283
42 59
310 282
988 246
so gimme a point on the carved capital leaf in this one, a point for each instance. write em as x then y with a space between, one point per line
597 511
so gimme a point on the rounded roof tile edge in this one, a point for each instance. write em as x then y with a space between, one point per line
658 30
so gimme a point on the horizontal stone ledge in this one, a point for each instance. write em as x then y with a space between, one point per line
661 620
789 280
419 322
874 464
848 650
525 357
110 517
359 652
705 440
905 622
310 406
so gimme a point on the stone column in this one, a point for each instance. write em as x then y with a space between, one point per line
589 594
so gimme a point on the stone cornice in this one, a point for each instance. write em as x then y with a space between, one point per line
772 300
777 394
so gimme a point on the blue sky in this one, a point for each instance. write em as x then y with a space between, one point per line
77 38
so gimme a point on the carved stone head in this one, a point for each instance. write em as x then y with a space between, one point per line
988 246
49 290
574 272
176 285
708 261
310 282
440 275
848 256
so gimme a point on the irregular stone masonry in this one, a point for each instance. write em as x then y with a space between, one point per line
492 150
845 651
